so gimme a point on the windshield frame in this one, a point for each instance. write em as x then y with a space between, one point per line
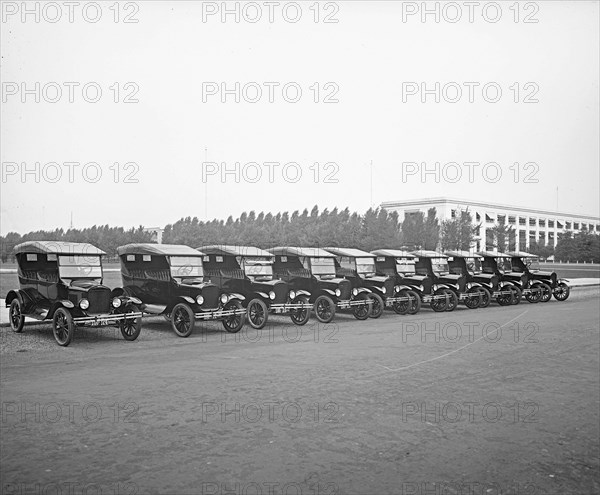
329 263
474 265
407 262
258 262
439 262
181 275
369 262
96 272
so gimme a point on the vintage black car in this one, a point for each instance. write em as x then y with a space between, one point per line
405 266
508 287
468 264
313 270
435 266
550 284
401 266
169 280
249 271
359 267
62 282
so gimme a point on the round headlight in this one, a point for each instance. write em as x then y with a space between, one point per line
457 286
355 292
272 295
435 287
292 295
383 290
84 304
338 292
199 299
116 302
224 298
421 288
397 288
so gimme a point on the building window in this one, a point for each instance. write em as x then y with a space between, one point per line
512 220
560 225
550 224
576 225
501 219
568 225
551 238
598 227
522 221
453 213
532 222
488 218
542 222
477 216
542 238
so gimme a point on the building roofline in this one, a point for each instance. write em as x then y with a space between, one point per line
465 202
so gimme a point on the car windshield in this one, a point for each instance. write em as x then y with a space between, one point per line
186 266
365 266
532 263
79 266
473 265
322 267
440 265
262 268
405 265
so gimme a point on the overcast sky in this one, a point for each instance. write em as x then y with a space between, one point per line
363 61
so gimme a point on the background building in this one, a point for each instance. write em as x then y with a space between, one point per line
530 225
156 232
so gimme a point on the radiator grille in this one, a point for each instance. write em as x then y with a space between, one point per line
210 293
99 299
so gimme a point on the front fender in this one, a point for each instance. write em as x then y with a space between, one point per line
14 294
363 290
470 285
302 293
330 292
380 289
235 295
263 295
186 299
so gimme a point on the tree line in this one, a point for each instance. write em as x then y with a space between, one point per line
376 228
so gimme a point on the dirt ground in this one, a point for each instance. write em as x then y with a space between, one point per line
501 400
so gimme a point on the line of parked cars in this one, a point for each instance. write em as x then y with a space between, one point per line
62 282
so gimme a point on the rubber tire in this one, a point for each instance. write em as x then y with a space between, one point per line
190 317
377 306
359 311
517 295
546 293
473 301
415 305
441 304
402 307
70 326
564 289
238 320
300 316
452 301
486 297
262 308
506 300
137 324
16 305
537 296
327 301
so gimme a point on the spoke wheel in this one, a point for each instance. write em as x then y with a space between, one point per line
233 323
16 316
473 300
402 307
546 293
324 309
415 302
182 320
363 311
376 306
535 294
486 297
131 327
506 299
562 291
438 302
63 327
258 313
452 300
517 295
300 316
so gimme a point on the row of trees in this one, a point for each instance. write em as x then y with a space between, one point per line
105 237
374 229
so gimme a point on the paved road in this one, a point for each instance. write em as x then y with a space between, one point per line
503 400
